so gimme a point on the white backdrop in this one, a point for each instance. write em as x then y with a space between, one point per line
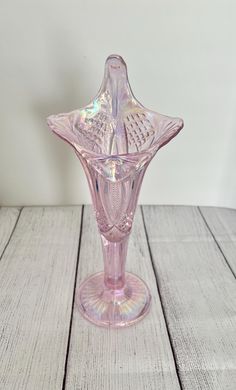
181 58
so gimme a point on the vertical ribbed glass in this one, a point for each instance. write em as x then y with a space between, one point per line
115 138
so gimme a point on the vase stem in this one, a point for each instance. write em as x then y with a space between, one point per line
114 254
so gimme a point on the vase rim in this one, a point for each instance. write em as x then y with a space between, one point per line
149 151
114 124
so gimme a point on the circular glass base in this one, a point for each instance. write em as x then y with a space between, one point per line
113 308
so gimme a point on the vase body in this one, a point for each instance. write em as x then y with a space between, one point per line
115 138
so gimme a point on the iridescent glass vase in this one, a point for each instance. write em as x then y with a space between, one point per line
115 138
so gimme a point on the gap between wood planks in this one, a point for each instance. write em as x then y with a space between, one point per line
73 299
162 306
217 243
12 232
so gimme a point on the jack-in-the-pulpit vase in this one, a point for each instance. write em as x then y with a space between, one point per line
115 138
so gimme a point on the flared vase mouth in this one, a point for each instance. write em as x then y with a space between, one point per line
70 138
114 124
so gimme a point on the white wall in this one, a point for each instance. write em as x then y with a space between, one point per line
181 58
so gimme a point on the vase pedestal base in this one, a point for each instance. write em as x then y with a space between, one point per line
113 308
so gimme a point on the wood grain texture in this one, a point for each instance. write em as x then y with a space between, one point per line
222 223
198 292
138 357
37 274
8 219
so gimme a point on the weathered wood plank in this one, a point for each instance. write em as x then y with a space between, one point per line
222 223
138 357
198 294
8 219
37 274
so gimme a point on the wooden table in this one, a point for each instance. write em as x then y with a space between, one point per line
187 255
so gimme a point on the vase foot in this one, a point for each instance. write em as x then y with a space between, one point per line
113 308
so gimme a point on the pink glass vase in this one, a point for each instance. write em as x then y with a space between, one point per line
115 138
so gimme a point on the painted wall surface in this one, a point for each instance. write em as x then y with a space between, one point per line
181 58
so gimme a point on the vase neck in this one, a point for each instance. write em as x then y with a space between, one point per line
114 254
